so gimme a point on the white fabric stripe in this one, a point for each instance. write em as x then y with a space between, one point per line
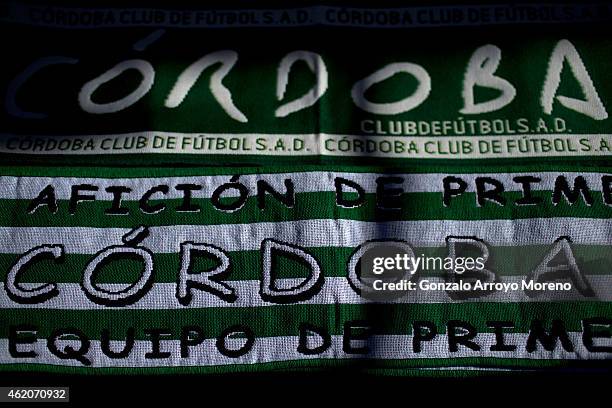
315 233
12 187
336 290
314 144
284 348
318 15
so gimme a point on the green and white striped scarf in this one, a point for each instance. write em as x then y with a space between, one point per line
182 191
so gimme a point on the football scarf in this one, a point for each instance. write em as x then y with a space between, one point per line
182 191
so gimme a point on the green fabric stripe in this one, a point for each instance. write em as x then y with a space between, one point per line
284 320
378 366
246 265
598 163
86 169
